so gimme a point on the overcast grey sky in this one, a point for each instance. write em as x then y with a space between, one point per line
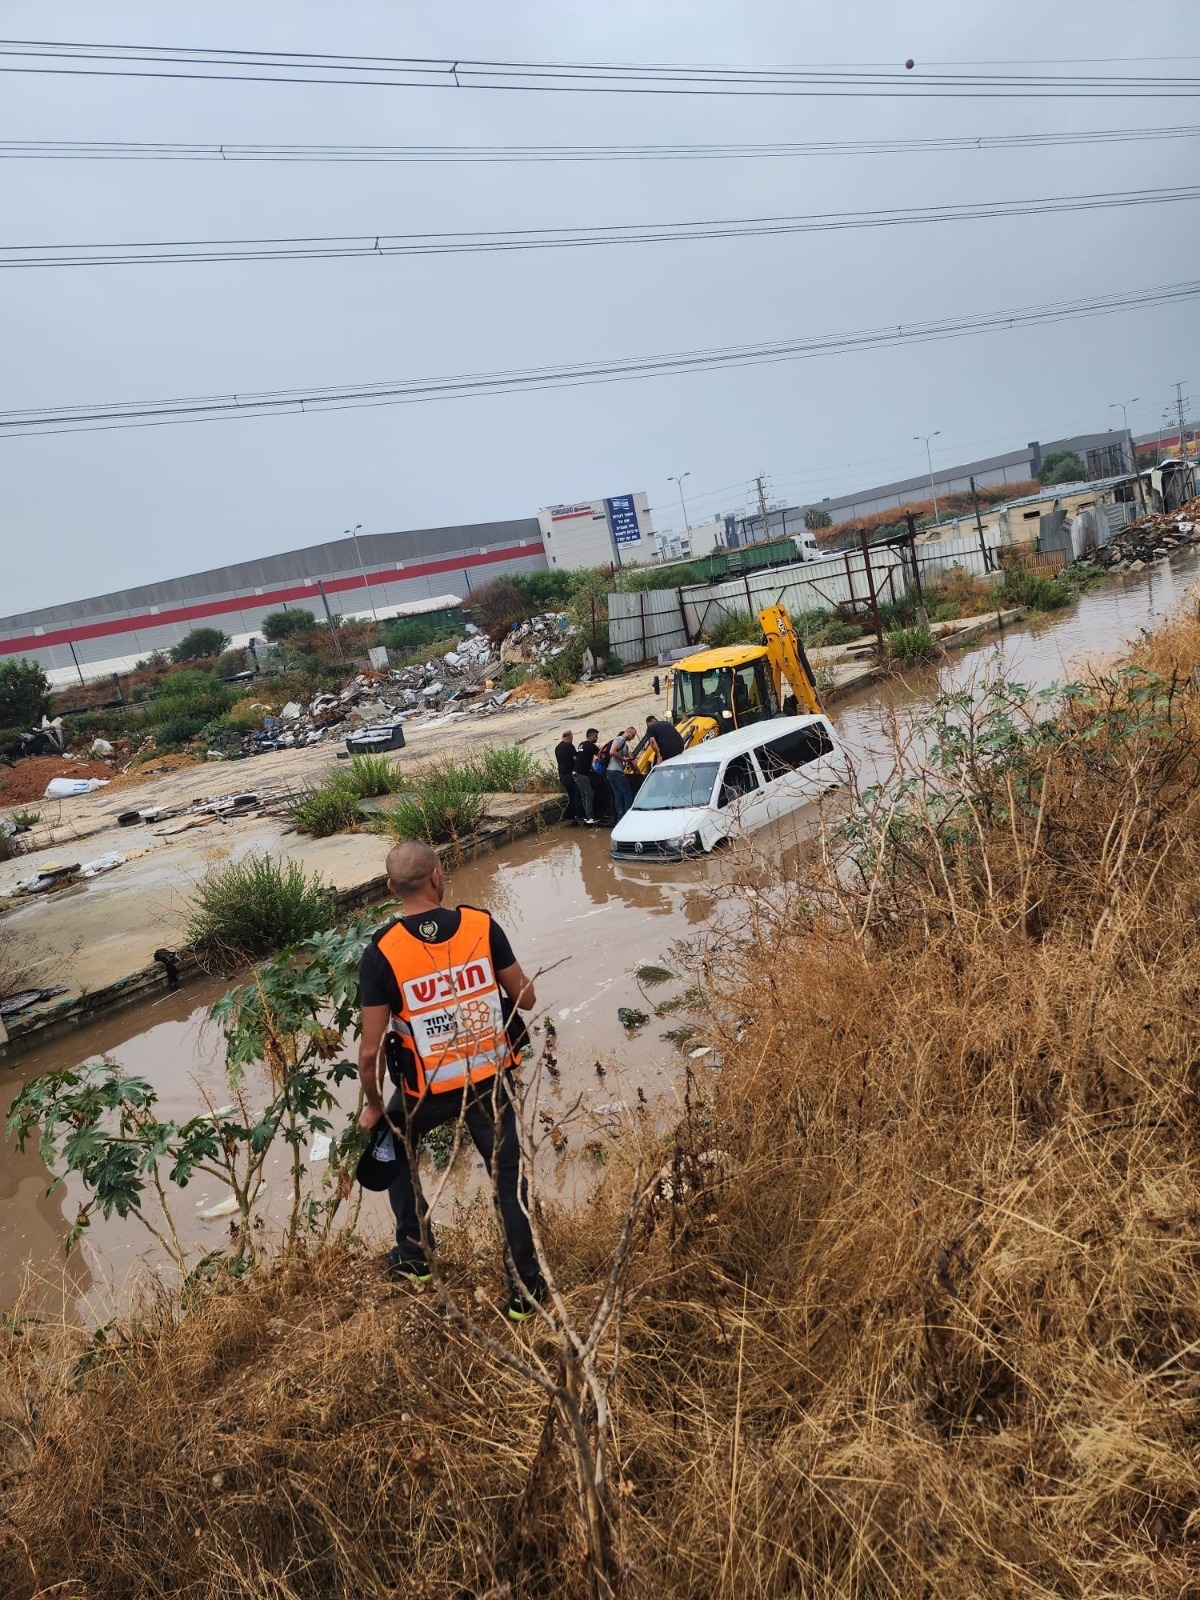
84 513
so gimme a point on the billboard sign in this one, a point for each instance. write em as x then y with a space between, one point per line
622 513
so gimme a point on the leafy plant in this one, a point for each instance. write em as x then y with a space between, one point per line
732 627
278 625
200 644
253 907
1033 590
1062 466
103 1124
816 517
24 694
367 776
22 821
909 646
441 812
175 732
324 808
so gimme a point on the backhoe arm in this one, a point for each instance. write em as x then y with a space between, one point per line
788 660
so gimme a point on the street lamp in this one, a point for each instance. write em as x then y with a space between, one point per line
354 533
678 482
937 516
1120 405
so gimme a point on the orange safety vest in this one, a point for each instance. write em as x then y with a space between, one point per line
451 1015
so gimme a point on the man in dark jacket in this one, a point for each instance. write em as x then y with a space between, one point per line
564 760
584 756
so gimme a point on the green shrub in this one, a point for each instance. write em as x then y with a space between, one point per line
191 694
831 632
817 517
732 627
366 776
200 644
613 665
230 662
545 591
10 743
24 694
910 646
277 625
1034 590
254 907
514 677
406 633
440 812
175 732
325 808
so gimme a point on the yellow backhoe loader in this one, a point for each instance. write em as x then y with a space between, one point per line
715 691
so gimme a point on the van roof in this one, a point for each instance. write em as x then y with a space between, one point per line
732 744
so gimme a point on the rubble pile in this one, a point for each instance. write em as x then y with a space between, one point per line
1151 538
462 682
532 643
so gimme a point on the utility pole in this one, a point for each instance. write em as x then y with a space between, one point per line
1121 406
760 484
354 533
937 516
1179 411
678 482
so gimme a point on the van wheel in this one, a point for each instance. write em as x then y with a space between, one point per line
719 844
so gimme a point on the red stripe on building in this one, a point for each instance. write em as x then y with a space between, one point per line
270 597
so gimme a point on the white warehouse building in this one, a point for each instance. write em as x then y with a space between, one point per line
598 533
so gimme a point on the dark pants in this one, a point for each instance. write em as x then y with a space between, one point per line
622 798
574 810
583 782
480 1119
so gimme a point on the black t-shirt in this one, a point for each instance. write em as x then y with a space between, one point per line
585 755
667 737
564 756
378 987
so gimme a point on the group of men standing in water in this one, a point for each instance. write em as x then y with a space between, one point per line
599 780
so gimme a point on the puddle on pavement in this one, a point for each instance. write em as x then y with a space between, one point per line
572 916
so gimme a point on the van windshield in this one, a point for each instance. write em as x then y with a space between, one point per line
671 788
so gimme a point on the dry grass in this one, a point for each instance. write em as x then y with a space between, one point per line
929 1325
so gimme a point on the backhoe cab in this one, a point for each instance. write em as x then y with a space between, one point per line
716 691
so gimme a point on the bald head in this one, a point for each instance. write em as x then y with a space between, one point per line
410 869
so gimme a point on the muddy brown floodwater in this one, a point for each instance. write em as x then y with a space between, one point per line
573 915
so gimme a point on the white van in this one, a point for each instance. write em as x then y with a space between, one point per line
730 785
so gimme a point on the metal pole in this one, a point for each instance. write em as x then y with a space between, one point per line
337 643
1121 406
983 549
937 516
353 532
912 550
870 577
678 482
75 659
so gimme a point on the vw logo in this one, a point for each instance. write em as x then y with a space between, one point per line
639 847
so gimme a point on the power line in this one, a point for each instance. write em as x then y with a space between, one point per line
75 58
232 151
485 241
123 414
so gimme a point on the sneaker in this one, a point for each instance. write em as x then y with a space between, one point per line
522 1305
408 1271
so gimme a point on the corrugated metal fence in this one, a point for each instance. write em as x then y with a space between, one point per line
643 626
814 586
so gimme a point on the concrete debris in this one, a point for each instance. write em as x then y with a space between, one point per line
1151 538
532 643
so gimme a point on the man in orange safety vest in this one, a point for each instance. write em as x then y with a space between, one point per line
441 991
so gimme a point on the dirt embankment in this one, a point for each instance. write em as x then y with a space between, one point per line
915 1312
25 781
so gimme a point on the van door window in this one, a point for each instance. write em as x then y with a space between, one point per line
792 750
740 779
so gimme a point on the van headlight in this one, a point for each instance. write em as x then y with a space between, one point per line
689 844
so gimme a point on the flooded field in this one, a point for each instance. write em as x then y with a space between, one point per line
573 916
